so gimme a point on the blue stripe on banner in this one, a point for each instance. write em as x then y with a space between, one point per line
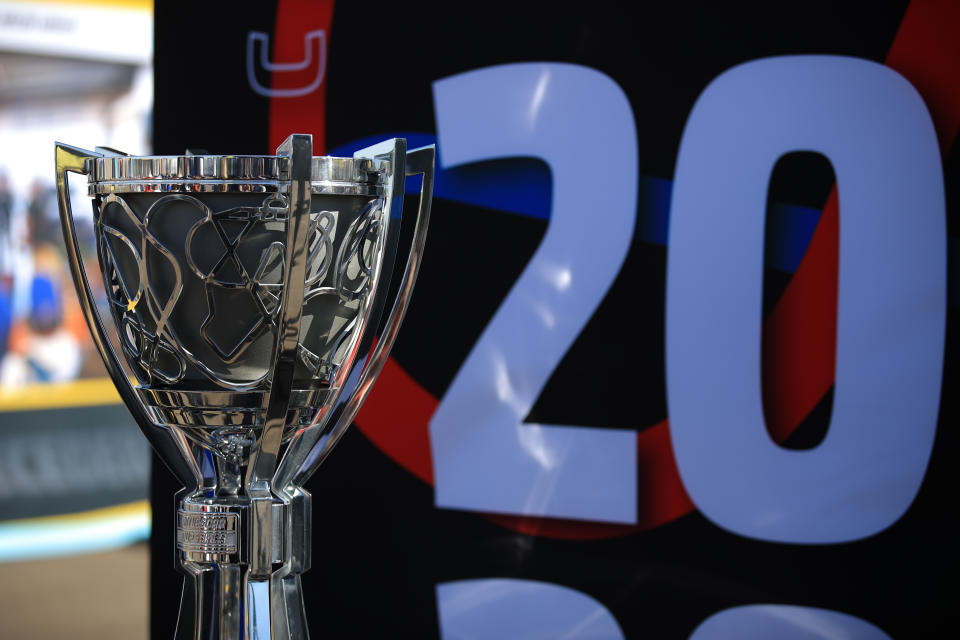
791 228
653 203
513 185
523 186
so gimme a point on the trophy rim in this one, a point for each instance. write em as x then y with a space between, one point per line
229 173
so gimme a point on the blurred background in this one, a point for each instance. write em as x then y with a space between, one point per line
73 469
439 512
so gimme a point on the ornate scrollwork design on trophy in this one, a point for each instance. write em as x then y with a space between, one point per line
229 271
339 272
354 262
142 334
323 229
350 283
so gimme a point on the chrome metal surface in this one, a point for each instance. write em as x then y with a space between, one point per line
210 186
211 399
245 295
115 172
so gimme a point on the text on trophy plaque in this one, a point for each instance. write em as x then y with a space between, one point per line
207 532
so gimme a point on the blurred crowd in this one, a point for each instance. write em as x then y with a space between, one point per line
43 336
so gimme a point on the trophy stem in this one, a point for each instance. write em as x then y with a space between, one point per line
229 476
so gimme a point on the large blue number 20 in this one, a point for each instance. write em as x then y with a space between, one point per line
875 129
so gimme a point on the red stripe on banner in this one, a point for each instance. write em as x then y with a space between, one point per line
926 52
799 336
396 416
298 104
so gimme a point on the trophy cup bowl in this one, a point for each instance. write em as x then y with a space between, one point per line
243 329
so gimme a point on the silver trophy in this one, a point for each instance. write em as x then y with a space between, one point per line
244 297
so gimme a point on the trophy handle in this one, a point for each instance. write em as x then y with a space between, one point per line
173 448
419 161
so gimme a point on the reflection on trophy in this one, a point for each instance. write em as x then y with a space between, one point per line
245 297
